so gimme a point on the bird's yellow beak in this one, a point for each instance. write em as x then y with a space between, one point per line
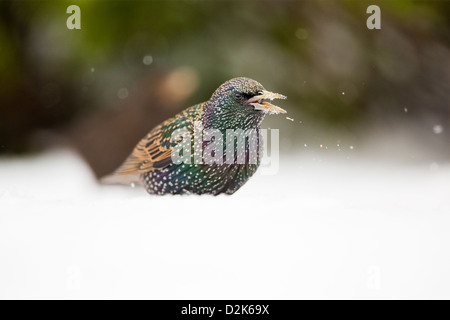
259 104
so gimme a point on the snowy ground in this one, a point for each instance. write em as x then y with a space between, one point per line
332 229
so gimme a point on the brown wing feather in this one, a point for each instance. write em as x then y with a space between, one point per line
154 151
149 154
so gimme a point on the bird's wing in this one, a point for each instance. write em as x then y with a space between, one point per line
155 150
152 152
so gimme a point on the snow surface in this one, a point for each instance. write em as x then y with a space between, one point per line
331 229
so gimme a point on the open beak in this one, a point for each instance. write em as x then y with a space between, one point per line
259 104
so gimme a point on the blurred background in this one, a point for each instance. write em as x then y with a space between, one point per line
383 93
358 209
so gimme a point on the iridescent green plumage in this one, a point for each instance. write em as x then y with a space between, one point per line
235 105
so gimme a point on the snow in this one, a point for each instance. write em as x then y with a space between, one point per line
318 229
437 129
148 60
122 93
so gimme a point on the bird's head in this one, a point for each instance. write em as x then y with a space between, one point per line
246 95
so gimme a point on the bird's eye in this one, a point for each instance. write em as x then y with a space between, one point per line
238 96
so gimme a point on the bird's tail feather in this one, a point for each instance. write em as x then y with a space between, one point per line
129 167
127 173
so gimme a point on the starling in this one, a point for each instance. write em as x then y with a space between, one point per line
234 111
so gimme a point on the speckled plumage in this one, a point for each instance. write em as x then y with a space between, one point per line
228 108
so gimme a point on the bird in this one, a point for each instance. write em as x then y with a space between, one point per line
232 119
